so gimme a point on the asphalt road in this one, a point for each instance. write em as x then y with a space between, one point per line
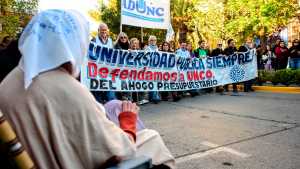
212 131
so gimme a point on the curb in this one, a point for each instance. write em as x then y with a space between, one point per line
272 89
291 90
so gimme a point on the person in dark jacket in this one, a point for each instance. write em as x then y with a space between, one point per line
231 49
9 58
282 54
165 95
244 48
217 51
295 55
122 42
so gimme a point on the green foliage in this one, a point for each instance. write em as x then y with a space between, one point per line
246 18
15 14
212 20
284 76
10 25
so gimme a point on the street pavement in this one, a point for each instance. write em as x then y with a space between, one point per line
212 131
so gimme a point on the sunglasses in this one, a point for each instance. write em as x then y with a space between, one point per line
123 37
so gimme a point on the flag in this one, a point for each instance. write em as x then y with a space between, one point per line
170 33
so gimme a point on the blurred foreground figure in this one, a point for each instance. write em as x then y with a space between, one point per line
59 122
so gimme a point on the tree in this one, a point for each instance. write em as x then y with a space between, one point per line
248 18
207 22
15 14
212 20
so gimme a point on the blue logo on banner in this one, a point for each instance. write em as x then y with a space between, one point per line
237 73
148 12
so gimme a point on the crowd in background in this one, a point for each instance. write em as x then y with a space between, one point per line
271 57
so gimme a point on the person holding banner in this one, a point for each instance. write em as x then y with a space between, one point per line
247 46
216 52
231 49
167 48
152 47
123 43
103 40
137 97
182 51
201 51
56 118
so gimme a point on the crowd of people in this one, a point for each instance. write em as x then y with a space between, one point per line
270 57
47 105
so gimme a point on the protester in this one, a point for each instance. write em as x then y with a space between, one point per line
152 47
282 54
138 97
231 49
216 52
295 55
189 48
5 43
9 58
202 50
182 51
249 45
260 50
194 92
165 95
122 43
103 40
277 44
268 58
56 118
160 47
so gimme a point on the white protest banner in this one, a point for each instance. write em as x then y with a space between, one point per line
146 13
107 69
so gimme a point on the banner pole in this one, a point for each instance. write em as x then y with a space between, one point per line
121 18
142 35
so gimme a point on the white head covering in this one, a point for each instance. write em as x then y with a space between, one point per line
52 38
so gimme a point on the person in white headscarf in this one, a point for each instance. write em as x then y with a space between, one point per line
59 122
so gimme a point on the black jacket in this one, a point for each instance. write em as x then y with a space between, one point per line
229 50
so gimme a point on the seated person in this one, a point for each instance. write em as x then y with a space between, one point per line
56 118
146 138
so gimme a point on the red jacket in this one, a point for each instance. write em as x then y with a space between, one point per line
282 53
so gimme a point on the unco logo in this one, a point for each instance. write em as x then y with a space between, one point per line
145 8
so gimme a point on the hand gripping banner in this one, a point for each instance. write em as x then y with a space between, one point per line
107 69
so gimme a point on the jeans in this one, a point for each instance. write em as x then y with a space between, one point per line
154 96
110 95
295 63
98 96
